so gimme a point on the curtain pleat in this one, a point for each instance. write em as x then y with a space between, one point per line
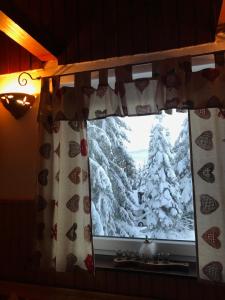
64 239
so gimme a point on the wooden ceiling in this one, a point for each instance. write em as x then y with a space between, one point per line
84 30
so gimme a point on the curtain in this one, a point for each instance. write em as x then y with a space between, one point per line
64 218
208 148
63 201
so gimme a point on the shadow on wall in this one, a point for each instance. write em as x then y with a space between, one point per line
18 154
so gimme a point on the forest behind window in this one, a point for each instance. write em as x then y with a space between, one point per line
141 181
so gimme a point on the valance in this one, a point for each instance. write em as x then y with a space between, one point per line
173 86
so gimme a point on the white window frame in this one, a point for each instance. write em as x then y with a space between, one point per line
176 249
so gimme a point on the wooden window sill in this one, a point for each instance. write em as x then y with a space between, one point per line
106 262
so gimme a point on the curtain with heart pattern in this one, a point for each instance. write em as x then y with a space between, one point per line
64 239
208 148
64 219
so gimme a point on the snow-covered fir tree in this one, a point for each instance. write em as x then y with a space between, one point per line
183 173
112 170
161 212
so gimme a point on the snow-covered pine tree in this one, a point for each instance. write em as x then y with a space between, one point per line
183 173
161 193
113 204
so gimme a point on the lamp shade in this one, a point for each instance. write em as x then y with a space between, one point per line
17 103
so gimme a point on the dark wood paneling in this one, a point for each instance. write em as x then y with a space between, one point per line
16 233
139 26
110 28
14 58
83 30
124 27
186 16
97 30
204 20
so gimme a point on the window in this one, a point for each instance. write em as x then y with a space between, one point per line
141 183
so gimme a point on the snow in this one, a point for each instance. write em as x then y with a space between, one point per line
147 156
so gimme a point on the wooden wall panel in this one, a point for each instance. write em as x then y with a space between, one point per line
83 30
97 30
186 18
14 58
139 26
16 232
110 28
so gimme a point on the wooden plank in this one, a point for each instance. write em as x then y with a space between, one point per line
110 29
155 25
186 20
16 33
84 29
139 26
169 25
97 30
124 33
71 53
59 29
204 21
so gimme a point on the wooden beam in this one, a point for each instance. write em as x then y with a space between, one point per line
16 33
52 68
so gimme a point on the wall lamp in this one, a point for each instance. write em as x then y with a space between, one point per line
18 103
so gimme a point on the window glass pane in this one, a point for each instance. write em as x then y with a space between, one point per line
141 181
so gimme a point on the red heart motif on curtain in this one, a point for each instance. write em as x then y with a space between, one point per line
211 237
83 147
203 113
74 175
89 263
210 74
213 271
